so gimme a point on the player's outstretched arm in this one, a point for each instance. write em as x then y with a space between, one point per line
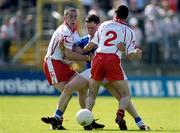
78 50
75 56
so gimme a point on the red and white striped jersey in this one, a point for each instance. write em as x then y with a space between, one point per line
110 34
63 32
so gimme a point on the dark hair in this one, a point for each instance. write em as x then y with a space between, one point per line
92 18
122 11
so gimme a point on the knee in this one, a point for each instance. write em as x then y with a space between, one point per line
92 94
126 97
125 92
68 89
58 87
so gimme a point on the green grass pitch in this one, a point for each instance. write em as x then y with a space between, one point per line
22 114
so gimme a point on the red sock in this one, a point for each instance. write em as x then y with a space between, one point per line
120 113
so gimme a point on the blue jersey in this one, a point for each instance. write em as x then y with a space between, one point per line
82 43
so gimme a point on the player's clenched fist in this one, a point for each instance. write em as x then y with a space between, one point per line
138 53
135 55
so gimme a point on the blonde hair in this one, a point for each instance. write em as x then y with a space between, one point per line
70 9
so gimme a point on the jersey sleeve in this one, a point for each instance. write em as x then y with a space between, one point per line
96 38
83 42
70 38
56 38
130 41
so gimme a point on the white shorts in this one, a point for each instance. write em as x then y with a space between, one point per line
86 74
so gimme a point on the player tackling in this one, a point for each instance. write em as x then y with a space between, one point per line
107 62
57 68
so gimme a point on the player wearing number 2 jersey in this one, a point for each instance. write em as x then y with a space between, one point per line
107 61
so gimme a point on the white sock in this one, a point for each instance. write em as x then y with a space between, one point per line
140 123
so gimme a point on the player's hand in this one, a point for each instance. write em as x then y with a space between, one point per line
90 57
121 47
138 53
78 50
135 55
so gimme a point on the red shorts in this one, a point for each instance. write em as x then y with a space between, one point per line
107 66
56 71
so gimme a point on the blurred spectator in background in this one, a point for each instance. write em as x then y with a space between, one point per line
137 5
172 4
137 10
6 36
166 48
153 30
165 13
133 22
29 27
8 5
18 23
87 5
153 36
111 13
153 9
95 9
172 31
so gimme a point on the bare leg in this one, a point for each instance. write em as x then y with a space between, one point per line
122 87
79 84
67 90
130 109
114 92
60 86
56 121
93 90
82 97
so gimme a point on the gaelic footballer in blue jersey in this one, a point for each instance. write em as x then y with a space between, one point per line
81 44
92 23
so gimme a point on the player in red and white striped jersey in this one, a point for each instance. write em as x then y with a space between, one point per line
107 61
56 67
82 80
